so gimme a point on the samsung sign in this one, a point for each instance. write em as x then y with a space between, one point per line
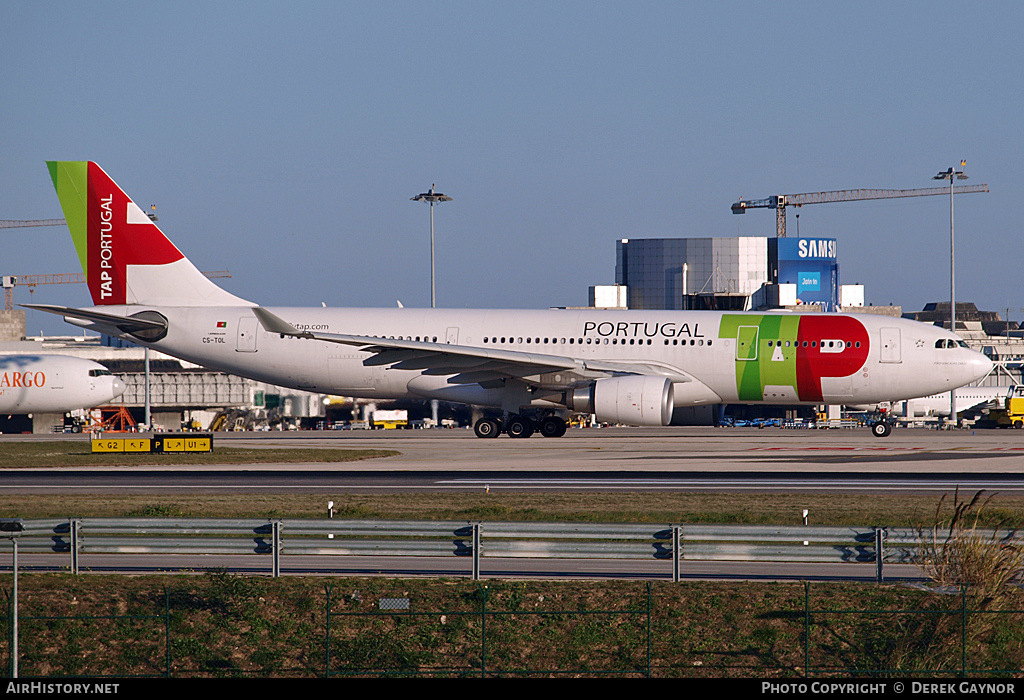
816 248
810 264
796 249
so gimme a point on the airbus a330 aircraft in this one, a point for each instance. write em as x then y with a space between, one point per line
530 368
54 384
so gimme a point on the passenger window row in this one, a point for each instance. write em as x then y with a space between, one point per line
418 338
833 344
496 340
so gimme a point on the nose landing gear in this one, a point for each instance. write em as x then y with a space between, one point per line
881 429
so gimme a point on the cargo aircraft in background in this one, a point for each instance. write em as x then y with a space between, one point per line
527 369
39 383
968 398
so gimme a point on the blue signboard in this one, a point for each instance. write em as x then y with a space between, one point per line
810 264
808 281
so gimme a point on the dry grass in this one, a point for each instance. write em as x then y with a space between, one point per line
778 509
972 546
224 625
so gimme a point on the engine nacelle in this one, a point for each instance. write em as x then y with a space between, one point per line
632 400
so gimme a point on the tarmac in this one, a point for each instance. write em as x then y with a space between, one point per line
674 449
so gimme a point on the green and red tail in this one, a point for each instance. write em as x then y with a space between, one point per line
126 258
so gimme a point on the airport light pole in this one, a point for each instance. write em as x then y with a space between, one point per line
952 175
431 196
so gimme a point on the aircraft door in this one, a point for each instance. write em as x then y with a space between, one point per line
746 342
889 347
452 336
246 341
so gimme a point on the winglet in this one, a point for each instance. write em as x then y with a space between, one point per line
276 324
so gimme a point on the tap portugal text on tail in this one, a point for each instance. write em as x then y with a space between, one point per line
528 368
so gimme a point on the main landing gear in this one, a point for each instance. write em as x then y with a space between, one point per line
519 426
487 428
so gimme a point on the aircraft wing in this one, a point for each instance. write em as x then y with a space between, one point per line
465 364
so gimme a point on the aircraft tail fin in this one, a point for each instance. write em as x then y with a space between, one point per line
126 258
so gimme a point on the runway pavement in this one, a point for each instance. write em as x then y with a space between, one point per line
608 459
677 450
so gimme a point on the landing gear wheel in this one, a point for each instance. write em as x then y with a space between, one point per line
519 427
552 426
487 428
881 429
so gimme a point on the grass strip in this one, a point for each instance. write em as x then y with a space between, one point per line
666 508
65 453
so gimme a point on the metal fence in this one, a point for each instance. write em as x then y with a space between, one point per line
475 542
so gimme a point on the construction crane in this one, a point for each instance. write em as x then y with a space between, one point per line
25 223
779 202
19 223
9 282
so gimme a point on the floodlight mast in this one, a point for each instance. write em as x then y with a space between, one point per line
431 196
952 175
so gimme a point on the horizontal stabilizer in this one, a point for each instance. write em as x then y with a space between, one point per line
126 324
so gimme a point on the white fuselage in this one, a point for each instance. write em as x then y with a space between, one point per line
903 358
40 383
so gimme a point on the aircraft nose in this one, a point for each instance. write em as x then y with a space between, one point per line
117 387
980 365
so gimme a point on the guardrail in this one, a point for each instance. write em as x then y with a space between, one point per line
472 540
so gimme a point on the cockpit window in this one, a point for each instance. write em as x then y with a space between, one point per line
99 373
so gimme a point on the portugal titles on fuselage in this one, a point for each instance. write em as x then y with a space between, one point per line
641 329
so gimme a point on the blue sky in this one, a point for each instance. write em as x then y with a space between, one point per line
283 141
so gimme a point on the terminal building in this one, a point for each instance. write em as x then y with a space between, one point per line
738 274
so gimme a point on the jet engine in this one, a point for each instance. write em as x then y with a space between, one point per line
631 400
